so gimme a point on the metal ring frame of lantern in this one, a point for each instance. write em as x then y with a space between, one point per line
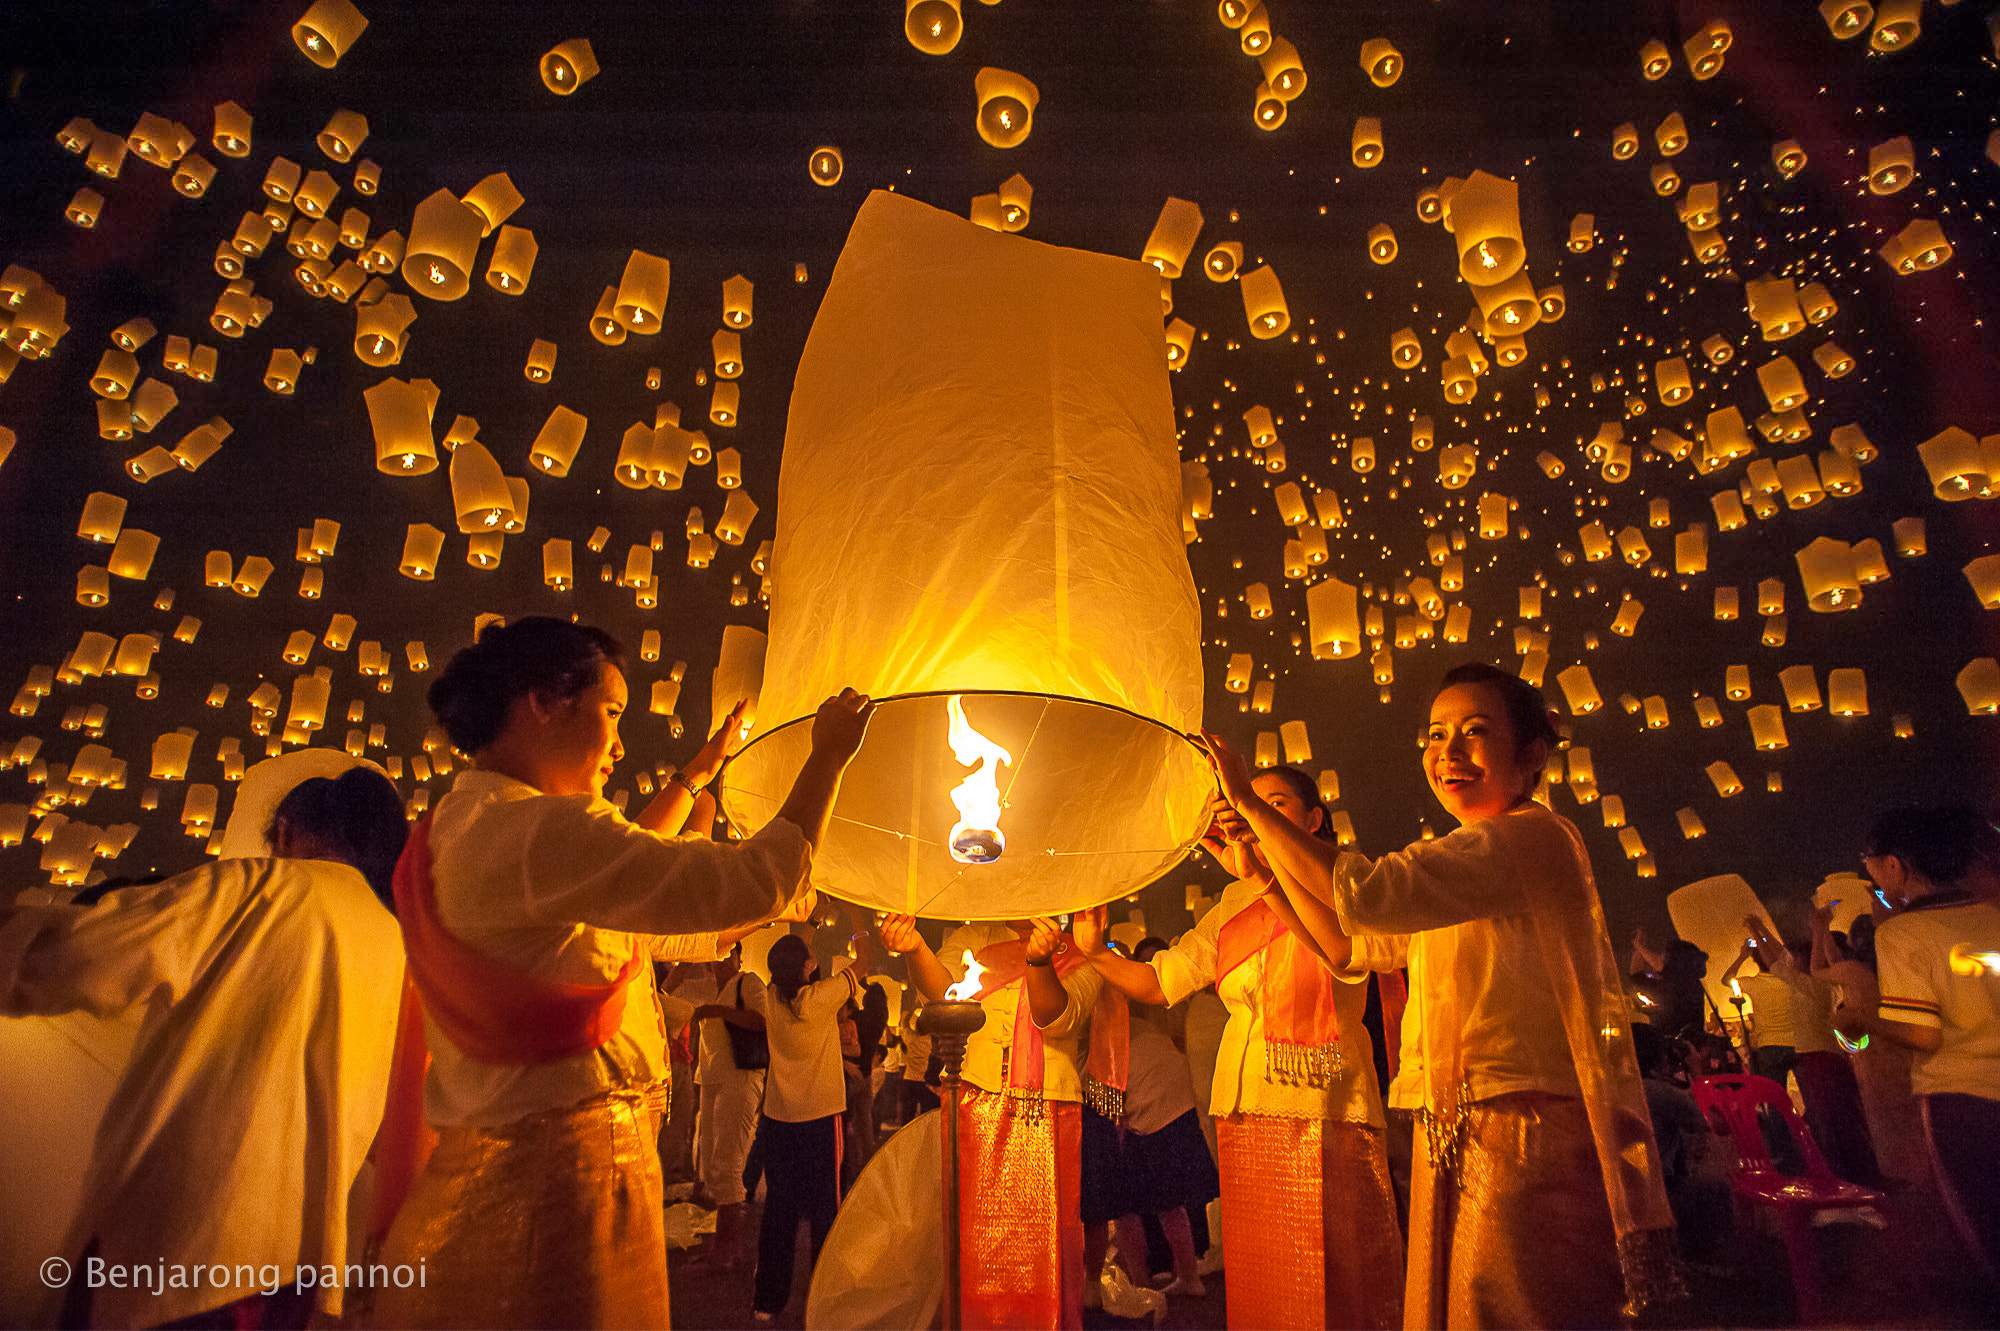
961 539
909 795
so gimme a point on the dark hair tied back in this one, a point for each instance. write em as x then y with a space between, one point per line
1527 711
357 817
1942 845
1306 791
550 658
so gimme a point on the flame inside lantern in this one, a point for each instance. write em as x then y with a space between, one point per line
968 988
976 837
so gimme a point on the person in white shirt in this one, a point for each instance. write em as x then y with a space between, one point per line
1938 962
805 1095
731 1095
1537 1179
223 1164
530 907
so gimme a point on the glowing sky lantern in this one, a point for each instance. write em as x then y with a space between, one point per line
327 29
568 66
825 165
443 242
1006 107
1075 675
933 26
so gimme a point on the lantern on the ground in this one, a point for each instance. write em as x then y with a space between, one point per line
1077 676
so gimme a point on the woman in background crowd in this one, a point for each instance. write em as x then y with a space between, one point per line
805 1095
1297 1113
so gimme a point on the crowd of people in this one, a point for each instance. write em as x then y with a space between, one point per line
1415 1084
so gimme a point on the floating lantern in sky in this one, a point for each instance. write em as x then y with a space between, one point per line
933 26
1254 33
1625 141
825 165
1846 19
541 366
344 134
641 300
1898 24
1486 224
1917 248
1283 74
1789 157
568 66
327 30
1952 457
400 414
1979 685
1040 658
1264 303
1006 106
513 260
443 243
1365 146
1381 62
381 327
1173 237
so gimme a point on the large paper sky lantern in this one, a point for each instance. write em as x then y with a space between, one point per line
980 501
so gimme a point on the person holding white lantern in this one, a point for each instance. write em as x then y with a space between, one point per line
1298 1117
530 910
1537 1180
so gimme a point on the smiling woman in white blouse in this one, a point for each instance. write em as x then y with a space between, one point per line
1536 1178
531 908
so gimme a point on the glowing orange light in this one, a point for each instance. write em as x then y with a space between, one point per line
976 838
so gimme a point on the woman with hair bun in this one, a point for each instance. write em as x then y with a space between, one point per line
531 909
242 1120
1537 1181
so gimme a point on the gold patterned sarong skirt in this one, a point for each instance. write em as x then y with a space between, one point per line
1309 1231
1525 1238
554 1220
1020 1174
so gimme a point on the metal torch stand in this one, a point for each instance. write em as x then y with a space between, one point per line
948 1022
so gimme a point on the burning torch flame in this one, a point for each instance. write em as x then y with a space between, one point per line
968 988
976 838
1964 961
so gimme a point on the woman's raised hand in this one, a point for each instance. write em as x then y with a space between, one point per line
1232 769
841 724
1045 940
899 933
801 909
1088 928
722 745
1230 840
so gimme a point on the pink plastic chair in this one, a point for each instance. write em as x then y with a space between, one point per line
1731 1104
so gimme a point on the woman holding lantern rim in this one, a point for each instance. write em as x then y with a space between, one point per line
1308 1216
531 910
1537 1180
1021 1118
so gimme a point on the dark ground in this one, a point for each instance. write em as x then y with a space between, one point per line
1910 1275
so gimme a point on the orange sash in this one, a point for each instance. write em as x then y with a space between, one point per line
1301 1027
487 1009
1109 1062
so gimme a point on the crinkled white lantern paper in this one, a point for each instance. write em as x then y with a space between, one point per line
980 497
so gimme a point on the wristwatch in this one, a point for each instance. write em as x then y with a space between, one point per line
680 779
